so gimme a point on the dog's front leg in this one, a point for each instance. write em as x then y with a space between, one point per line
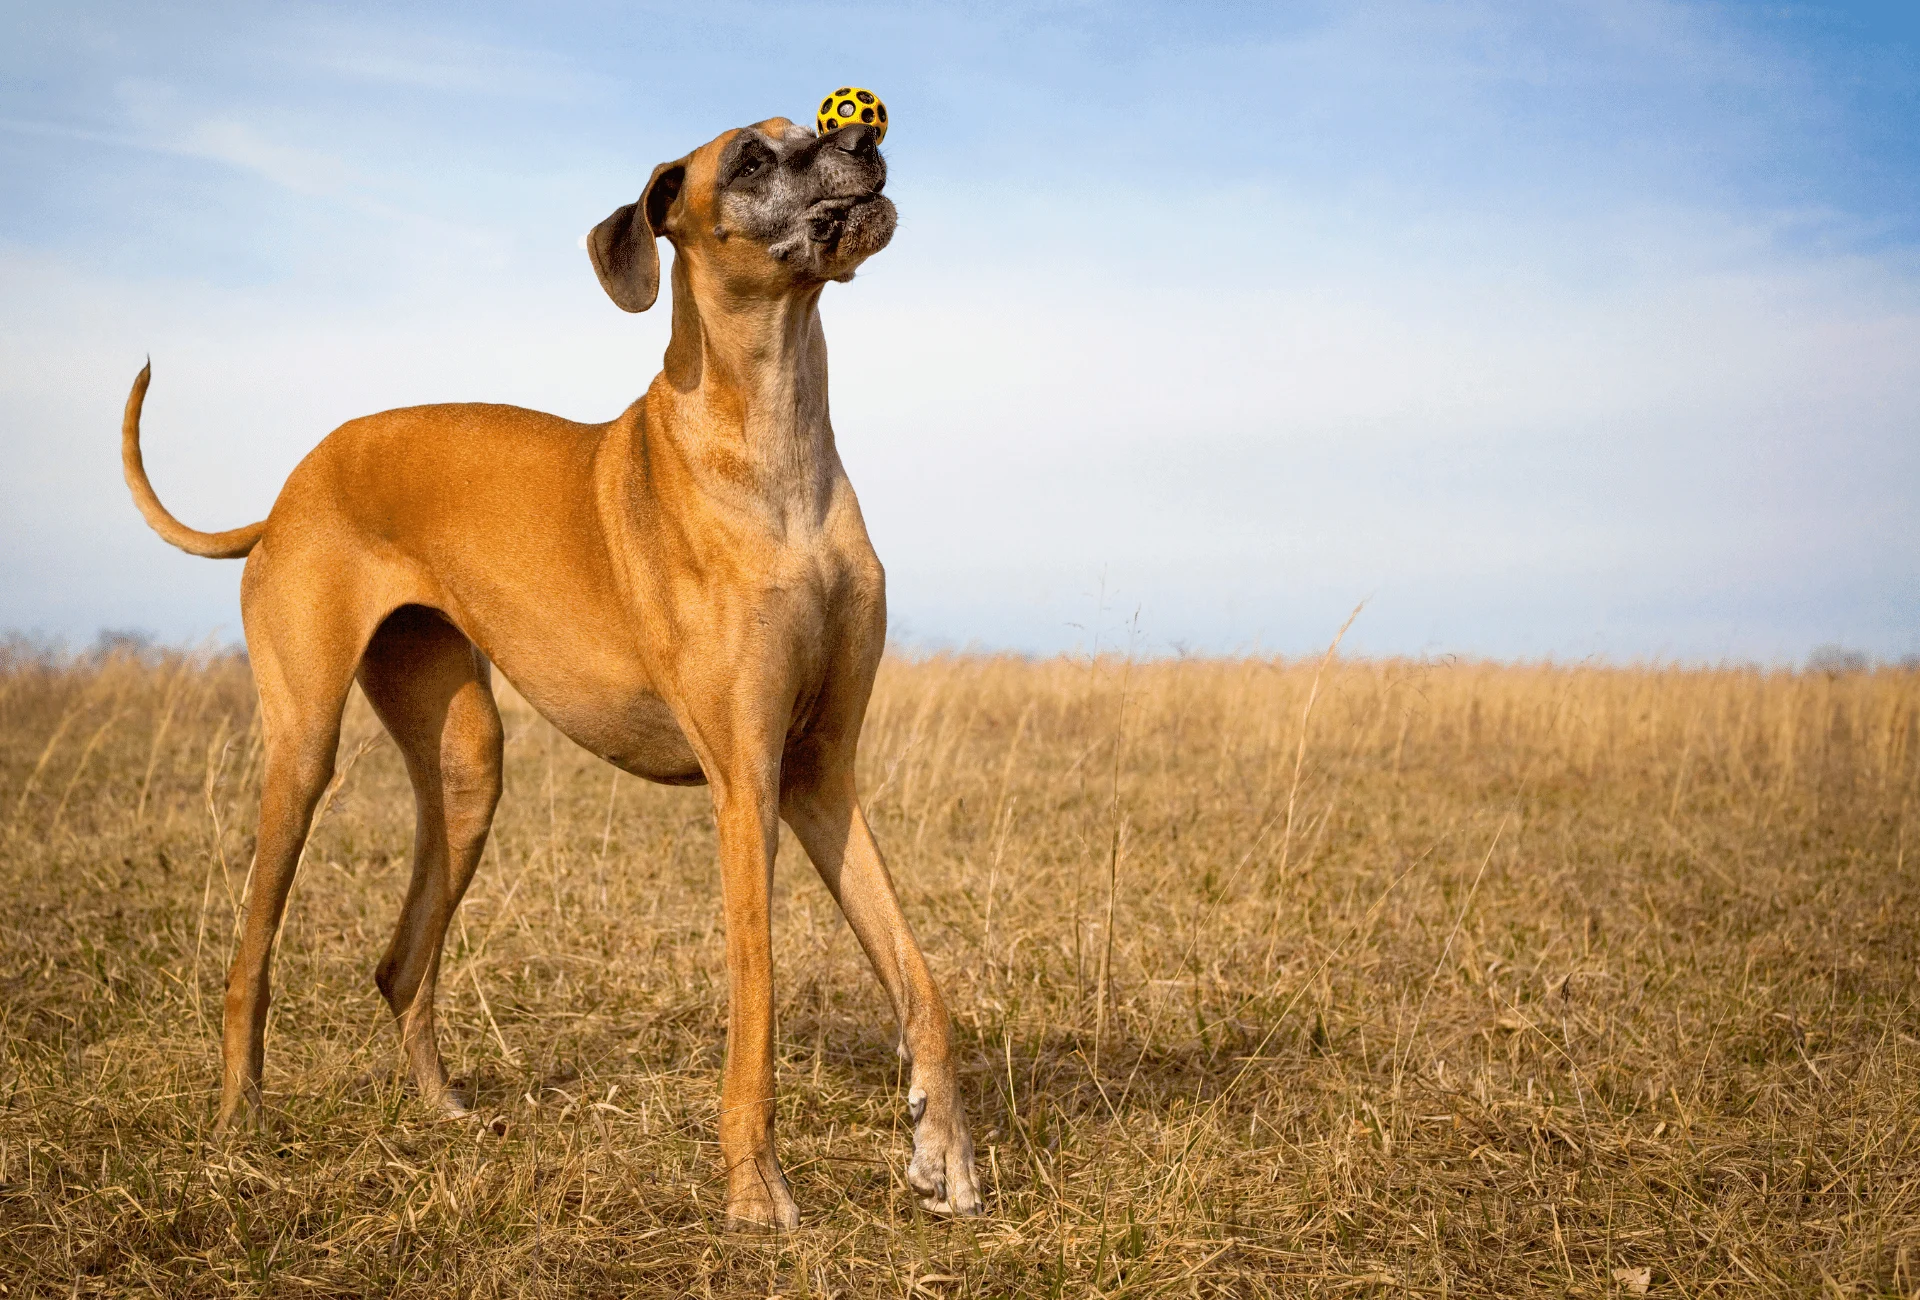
757 1193
828 821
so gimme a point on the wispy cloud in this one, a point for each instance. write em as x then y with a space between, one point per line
160 120
457 68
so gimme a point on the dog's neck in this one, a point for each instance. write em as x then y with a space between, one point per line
744 389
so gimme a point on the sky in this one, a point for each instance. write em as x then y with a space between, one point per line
1570 330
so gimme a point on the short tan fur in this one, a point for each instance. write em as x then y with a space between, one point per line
687 590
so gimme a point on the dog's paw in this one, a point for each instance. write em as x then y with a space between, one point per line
762 1213
758 1200
942 1167
241 1116
455 1099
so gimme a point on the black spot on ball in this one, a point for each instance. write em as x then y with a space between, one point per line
863 96
833 124
846 108
866 115
883 112
826 103
841 91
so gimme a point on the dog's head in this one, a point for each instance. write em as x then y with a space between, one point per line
769 209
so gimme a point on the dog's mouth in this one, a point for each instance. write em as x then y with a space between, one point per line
832 219
839 233
831 237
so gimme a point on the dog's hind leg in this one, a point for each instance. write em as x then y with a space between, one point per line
431 688
303 669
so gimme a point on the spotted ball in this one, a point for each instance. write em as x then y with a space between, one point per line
852 106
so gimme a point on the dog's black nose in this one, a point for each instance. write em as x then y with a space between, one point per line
859 139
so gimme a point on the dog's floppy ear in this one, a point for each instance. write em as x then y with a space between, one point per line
622 247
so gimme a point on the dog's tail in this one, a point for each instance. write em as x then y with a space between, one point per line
230 545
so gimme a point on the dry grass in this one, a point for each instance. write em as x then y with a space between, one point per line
1479 981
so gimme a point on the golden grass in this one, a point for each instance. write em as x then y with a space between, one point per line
1478 980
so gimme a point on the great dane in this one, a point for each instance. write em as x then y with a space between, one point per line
687 590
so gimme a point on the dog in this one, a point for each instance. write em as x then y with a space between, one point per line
687 591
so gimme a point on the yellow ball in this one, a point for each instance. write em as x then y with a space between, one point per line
852 106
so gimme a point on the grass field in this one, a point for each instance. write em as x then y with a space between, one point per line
1388 978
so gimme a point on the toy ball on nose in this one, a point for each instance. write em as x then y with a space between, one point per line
852 106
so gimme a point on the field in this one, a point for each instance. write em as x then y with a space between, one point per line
1270 978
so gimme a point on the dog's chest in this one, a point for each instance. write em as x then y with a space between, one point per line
815 603
757 641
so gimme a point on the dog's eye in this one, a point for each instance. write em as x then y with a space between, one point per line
749 166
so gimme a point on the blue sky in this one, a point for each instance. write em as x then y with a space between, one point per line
1569 329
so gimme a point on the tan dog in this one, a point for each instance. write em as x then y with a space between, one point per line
687 591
